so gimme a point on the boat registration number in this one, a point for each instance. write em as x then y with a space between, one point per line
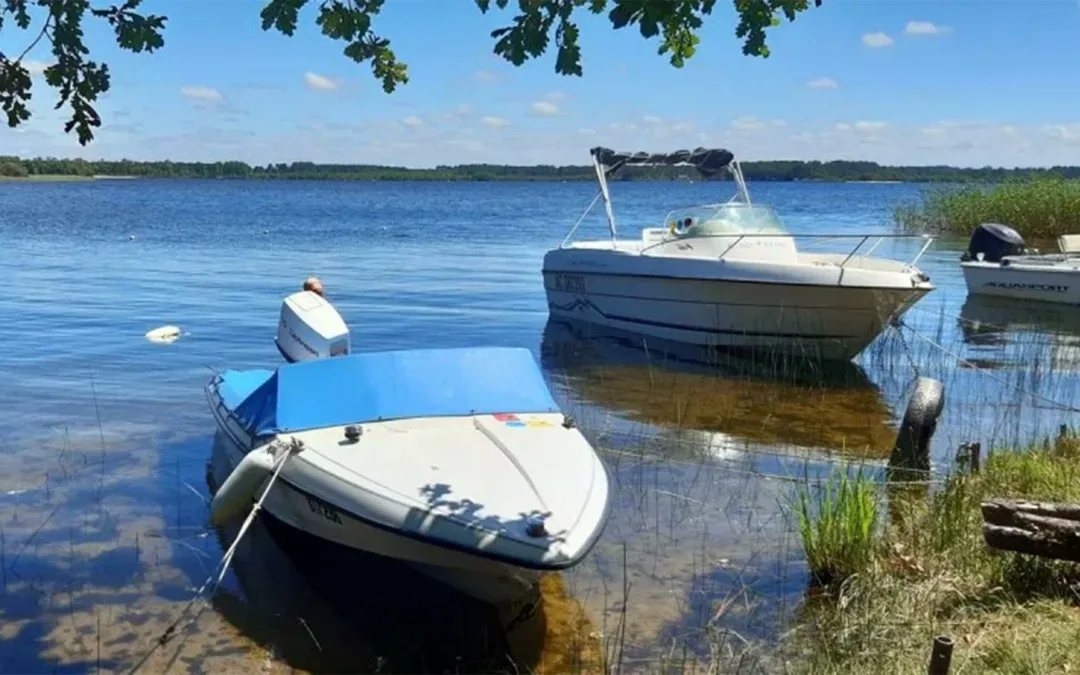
570 283
321 508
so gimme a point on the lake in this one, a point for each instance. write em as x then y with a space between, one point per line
106 437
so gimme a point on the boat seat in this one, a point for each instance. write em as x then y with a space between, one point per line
1069 243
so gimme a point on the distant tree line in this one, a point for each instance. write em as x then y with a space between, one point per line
754 171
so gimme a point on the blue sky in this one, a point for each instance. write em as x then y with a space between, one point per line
895 81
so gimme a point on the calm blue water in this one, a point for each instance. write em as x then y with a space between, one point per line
100 425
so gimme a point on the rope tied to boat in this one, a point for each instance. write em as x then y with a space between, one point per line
282 454
989 373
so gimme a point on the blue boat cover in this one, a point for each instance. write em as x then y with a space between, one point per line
239 384
368 387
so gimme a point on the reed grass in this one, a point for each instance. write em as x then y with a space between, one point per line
838 528
1037 209
932 574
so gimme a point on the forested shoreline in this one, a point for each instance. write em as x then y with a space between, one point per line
17 167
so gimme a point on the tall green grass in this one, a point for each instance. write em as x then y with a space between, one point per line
932 574
839 526
1036 208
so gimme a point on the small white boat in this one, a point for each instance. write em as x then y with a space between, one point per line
998 263
457 461
727 275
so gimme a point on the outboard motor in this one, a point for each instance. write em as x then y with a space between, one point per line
310 328
994 242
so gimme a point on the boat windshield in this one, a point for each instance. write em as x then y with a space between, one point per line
724 219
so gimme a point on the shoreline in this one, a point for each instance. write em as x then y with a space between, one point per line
71 178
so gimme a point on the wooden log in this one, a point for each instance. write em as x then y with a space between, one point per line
996 509
1044 529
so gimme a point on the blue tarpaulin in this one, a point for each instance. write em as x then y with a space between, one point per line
368 387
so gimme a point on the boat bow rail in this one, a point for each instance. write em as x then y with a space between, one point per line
862 239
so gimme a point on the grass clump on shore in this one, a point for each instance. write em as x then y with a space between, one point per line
1036 208
839 526
930 573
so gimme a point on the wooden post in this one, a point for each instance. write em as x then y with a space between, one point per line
941 656
1037 528
976 457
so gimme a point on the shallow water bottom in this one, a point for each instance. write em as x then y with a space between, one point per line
104 540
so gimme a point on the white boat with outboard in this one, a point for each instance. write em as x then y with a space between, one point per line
456 461
728 274
998 263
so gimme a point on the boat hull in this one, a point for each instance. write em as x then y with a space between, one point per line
823 321
1023 282
509 588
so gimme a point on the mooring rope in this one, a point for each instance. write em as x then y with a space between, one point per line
223 566
989 373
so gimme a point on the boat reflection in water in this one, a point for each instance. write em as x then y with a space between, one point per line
322 607
711 398
1005 332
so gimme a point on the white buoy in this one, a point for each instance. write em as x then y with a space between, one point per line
131 237
164 335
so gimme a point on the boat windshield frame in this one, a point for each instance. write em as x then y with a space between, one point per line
731 167
732 218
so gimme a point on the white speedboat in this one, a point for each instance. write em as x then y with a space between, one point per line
727 275
457 461
998 263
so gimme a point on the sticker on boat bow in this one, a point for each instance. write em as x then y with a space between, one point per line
1053 288
321 508
508 419
511 420
570 283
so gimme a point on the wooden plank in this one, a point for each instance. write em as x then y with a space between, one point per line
1003 508
1037 528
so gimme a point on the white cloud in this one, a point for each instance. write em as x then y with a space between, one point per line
682 127
964 143
321 82
35 67
652 119
1067 133
870 126
495 122
556 96
823 83
778 123
201 93
545 108
935 132
618 127
413 122
464 109
877 39
925 28
486 76
748 123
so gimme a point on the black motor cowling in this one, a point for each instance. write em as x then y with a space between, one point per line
994 241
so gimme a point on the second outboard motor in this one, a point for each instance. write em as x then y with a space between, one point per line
310 328
994 241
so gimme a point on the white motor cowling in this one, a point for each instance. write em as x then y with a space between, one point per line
310 328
